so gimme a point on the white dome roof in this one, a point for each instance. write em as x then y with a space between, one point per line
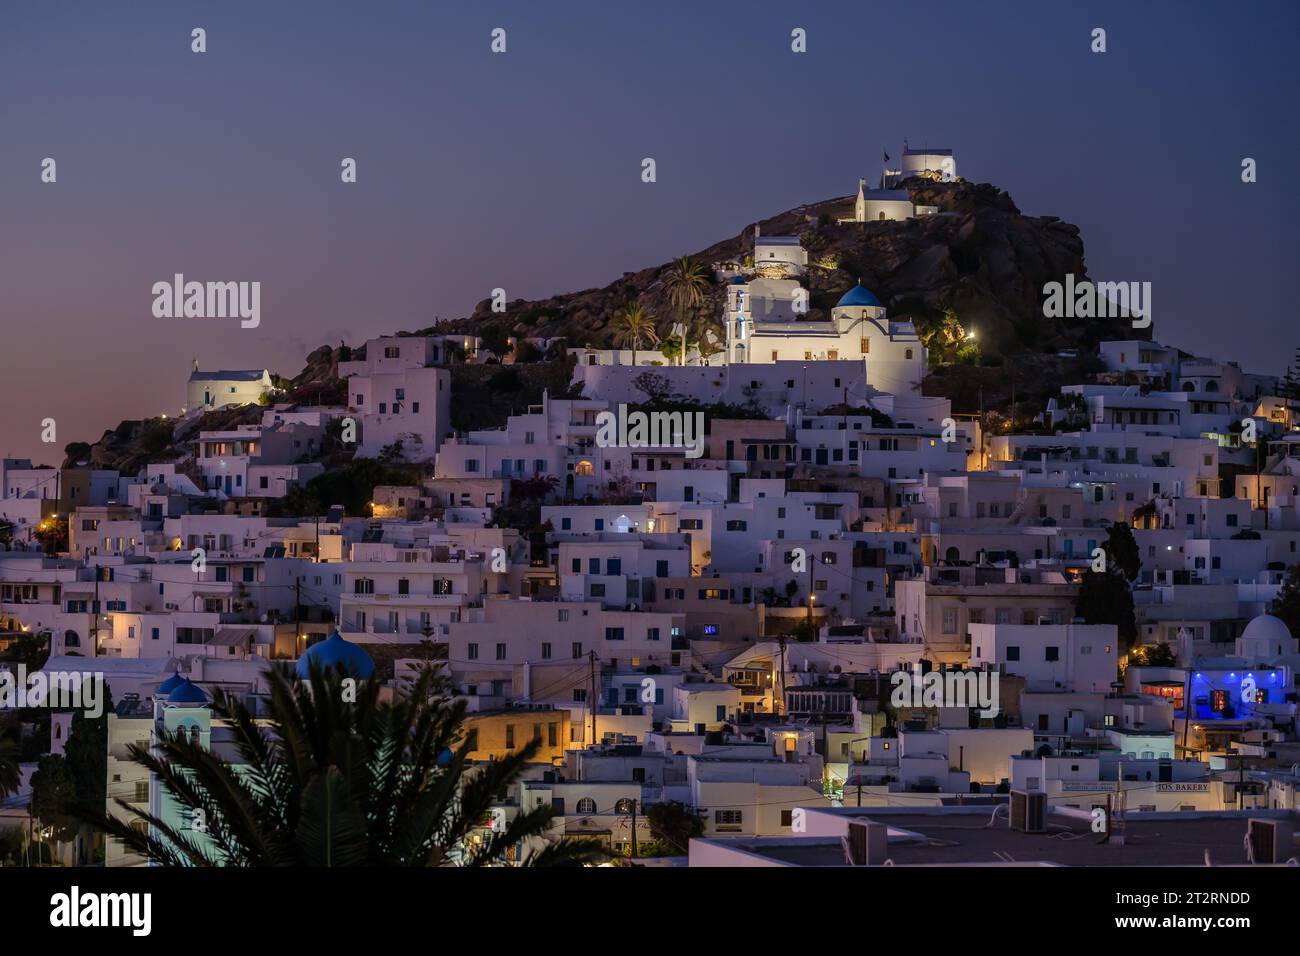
1266 627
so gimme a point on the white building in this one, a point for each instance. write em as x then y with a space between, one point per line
211 390
767 322
400 395
1077 657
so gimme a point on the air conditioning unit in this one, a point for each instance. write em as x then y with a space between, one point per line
1269 841
867 844
1028 811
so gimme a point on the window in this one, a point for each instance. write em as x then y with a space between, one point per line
950 620
471 651
577 649
546 650
737 525
652 634
1053 654
510 736
586 805
501 652
613 634
1013 653
727 817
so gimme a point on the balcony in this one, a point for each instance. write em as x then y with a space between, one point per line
437 600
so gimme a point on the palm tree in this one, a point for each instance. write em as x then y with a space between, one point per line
672 347
635 326
330 782
686 281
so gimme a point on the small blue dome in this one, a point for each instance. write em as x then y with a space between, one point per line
187 692
859 295
171 683
334 652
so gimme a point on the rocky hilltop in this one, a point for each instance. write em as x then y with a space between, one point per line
979 258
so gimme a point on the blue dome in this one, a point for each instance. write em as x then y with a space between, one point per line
171 683
859 295
187 692
334 652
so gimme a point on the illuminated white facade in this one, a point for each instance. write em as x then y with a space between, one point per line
767 321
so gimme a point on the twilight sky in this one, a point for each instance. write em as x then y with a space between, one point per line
522 170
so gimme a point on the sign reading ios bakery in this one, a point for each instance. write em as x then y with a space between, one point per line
1105 786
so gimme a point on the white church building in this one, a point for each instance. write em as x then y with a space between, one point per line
767 321
875 205
207 391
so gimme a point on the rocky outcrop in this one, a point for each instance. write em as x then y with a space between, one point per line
979 257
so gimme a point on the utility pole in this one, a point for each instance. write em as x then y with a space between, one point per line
634 828
781 638
1187 697
94 608
591 655
826 753
812 566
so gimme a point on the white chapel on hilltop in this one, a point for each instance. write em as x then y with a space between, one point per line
889 203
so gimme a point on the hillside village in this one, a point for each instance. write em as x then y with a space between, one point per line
1115 546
